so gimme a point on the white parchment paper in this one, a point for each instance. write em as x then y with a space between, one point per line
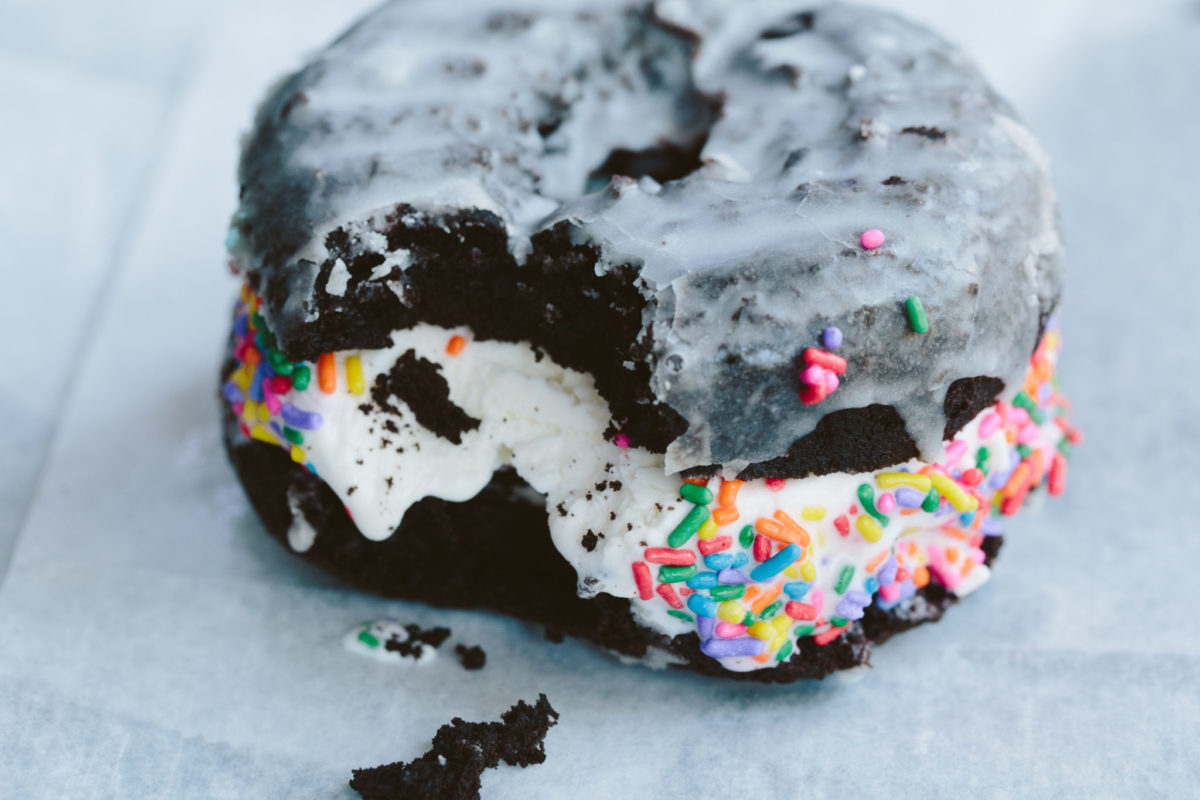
155 643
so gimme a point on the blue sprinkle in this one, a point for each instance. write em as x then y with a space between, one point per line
777 563
849 610
240 325
278 429
311 468
232 238
702 606
870 585
907 590
832 337
705 626
256 390
887 573
232 392
730 576
741 560
719 561
796 589
305 420
909 497
858 597
705 580
966 518
728 648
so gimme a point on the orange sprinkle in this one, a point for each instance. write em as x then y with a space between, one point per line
455 345
697 481
751 593
1017 480
1039 465
920 576
724 515
327 373
767 598
728 494
762 657
876 561
955 533
952 554
1010 435
769 527
967 567
252 357
908 512
800 536
926 470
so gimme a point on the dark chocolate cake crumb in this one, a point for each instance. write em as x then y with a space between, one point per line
461 751
931 133
589 540
412 647
418 382
471 657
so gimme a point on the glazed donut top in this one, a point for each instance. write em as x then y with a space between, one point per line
693 183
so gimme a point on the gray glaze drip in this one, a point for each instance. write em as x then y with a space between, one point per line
831 123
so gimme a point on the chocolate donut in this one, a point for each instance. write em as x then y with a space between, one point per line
719 335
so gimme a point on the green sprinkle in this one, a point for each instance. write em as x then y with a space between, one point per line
838 622
691 523
932 501
843 581
866 496
804 630
668 574
784 651
772 609
916 314
746 537
1024 450
694 493
1064 447
300 378
279 362
292 435
368 639
749 619
260 324
679 615
1023 400
981 457
727 592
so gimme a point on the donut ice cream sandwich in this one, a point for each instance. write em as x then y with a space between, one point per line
720 335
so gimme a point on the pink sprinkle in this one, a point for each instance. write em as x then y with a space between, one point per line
727 630
1018 416
621 441
891 592
237 408
817 600
885 503
955 450
989 424
813 375
831 383
775 484
1028 433
274 404
871 239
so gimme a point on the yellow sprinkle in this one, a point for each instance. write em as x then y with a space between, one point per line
708 529
792 572
777 642
812 513
820 538
263 435
297 454
808 571
869 528
264 413
731 611
354 376
241 378
950 490
250 411
782 623
245 293
888 480
762 630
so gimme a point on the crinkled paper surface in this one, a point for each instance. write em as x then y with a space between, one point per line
155 643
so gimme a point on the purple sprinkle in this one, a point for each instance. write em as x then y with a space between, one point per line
239 325
275 426
232 393
305 420
998 479
991 527
857 597
849 610
832 337
731 575
909 497
705 625
907 590
887 573
727 648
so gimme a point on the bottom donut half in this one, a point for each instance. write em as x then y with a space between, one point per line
495 552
